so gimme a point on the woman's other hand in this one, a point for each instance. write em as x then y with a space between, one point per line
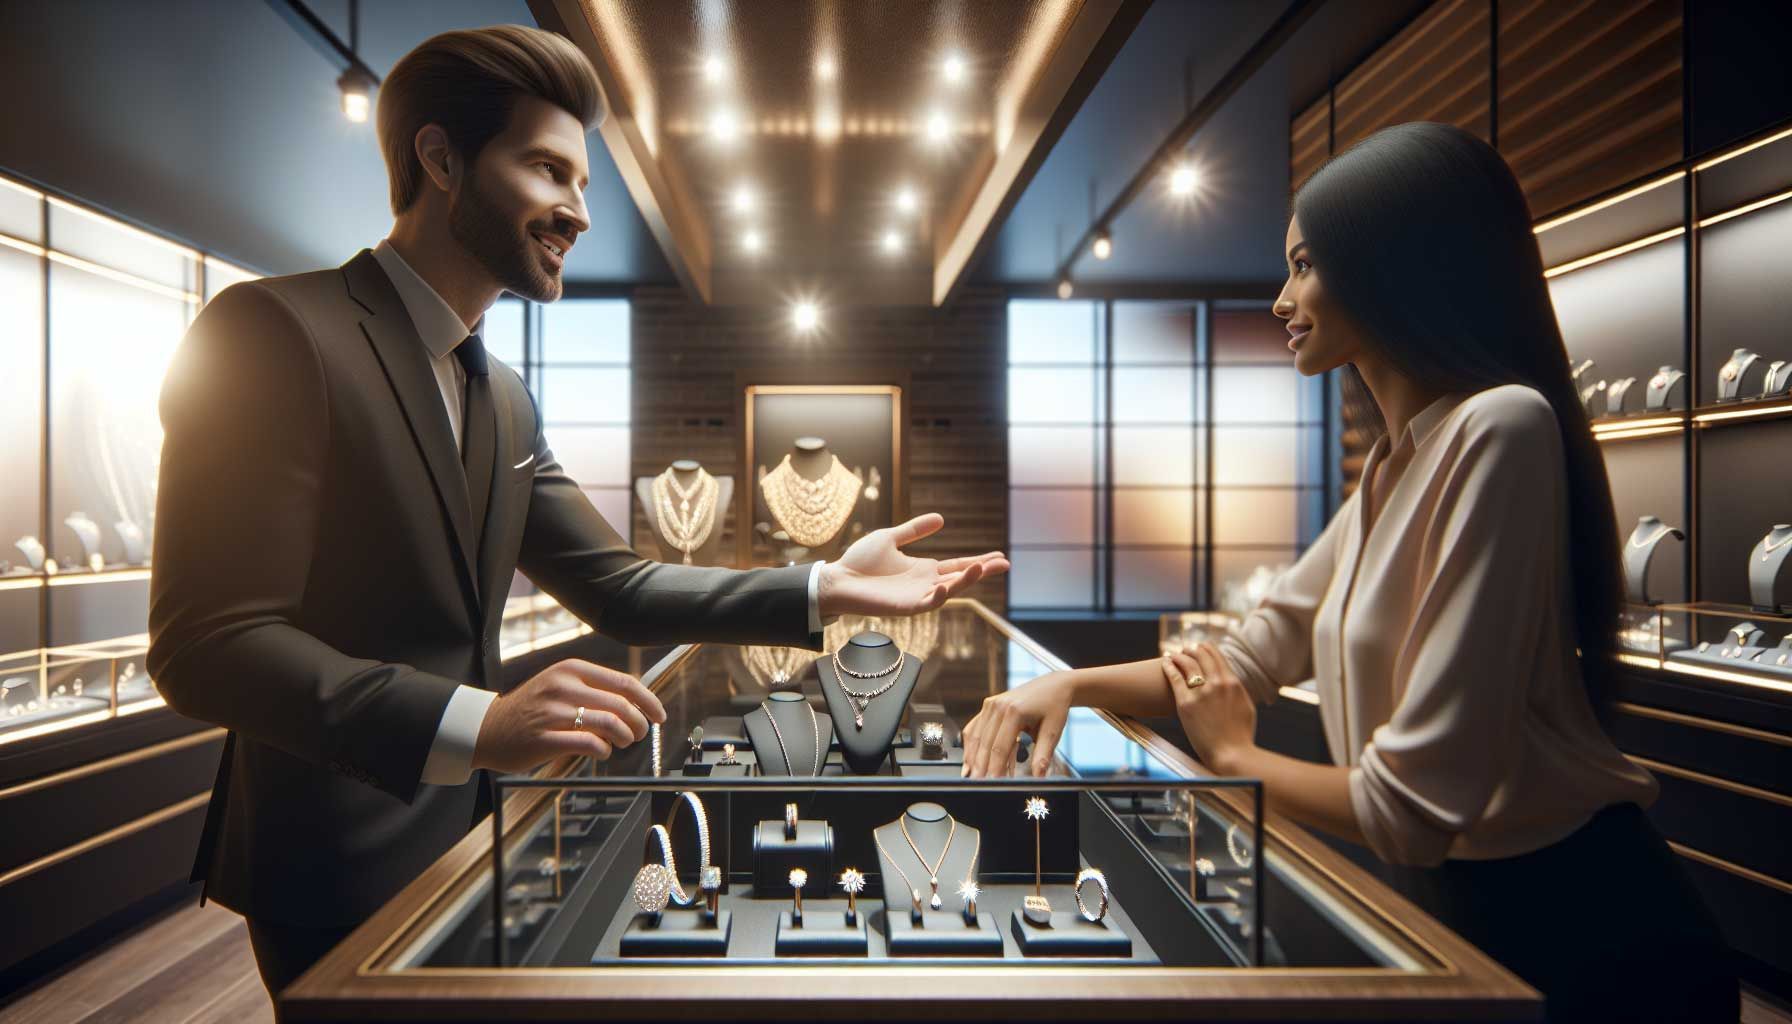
1038 708
1215 709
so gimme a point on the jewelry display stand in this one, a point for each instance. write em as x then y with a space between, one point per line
787 736
823 932
88 533
867 726
915 756
775 853
698 526
1769 578
1661 388
1777 378
1069 934
811 497
1589 398
1615 395
136 552
954 847
1639 552
677 933
1731 377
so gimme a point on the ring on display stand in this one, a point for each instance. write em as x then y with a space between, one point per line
798 879
1084 877
790 821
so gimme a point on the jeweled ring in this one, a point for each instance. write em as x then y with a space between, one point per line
1092 875
790 821
578 720
652 888
1196 681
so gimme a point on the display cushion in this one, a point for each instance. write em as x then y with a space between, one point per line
1070 934
824 933
678 933
774 856
942 933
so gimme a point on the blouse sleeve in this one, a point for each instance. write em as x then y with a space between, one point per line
1494 568
1273 646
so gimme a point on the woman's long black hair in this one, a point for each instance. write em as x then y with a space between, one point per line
1423 238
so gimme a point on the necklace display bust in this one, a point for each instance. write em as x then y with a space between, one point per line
1770 570
810 497
686 508
869 701
1639 552
788 737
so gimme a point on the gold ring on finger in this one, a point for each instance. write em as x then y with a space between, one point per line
1196 681
578 720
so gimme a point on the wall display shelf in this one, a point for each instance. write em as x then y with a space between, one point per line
589 890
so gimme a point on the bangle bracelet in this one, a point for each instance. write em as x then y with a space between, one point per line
1241 853
685 798
1082 878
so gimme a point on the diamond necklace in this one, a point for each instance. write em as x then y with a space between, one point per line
686 527
861 699
778 734
811 511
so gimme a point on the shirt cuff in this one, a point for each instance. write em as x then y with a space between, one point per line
450 761
815 598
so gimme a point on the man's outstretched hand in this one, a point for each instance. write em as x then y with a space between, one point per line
874 577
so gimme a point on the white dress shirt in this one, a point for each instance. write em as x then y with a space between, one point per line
450 760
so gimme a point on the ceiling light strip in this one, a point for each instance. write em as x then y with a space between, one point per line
1556 222
1734 153
1741 414
1749 208
1600 257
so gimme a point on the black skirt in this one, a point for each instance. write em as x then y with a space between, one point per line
1606 923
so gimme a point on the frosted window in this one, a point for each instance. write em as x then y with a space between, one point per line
220 275
1052 332
592 455
1155 456
585 331
1055 516
584 395
21 212
21 401
1266 516
1153 579
111 244
1051 455
1051 395
1254 456
1154 516
1250 394
1154 332
1157 394
1250 336
503 332
1234 567
1051 579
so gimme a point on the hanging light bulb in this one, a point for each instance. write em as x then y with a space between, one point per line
1104 245
357 90
1064 288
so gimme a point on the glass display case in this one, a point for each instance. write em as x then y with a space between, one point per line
1126 883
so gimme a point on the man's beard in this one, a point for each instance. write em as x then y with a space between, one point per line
512 259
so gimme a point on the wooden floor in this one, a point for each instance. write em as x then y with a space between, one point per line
191 965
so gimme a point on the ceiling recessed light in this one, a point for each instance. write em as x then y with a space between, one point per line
1064 289
724 126
825 69
805 316
1104 245
827 127
906 200
891 243
714 70
939 129
953 68
753 242
1182 180
743 200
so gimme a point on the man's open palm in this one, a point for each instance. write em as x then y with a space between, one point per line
875 577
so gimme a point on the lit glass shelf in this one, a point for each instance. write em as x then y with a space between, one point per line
1723 643
53 689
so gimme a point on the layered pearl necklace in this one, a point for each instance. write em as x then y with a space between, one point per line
688 524
811 511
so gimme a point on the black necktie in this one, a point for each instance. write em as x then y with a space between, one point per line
478 432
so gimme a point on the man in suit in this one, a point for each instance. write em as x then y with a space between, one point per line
348 482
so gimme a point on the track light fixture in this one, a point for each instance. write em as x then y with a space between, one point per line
1104 245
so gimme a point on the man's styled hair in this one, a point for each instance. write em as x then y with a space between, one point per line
468 81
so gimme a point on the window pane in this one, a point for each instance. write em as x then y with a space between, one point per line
584 395
1057 516
1153 579
1232 568
220 275
585 331
1265 455
612 504
1154 516
1155 456
21 404
503 335
1051 579
21 212
1249 335
1267 516
1051 396
594 456
1159 394
1252 394
1044 331
110 244
1154 332
1051 455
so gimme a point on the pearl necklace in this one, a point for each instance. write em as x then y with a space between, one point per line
811 511
685 527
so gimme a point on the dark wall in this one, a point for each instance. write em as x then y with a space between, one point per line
1741 79
686 397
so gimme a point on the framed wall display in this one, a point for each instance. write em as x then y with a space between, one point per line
821 465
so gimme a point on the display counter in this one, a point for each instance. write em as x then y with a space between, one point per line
812 852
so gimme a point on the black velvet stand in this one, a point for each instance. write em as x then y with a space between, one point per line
774 855
1069 934
677 933
866 748
823 932
940 933
801 735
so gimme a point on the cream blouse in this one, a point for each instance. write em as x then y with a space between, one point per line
1440 635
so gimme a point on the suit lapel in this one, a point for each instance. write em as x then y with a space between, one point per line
400 350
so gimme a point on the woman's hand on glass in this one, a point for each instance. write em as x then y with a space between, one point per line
1214 707
1038 708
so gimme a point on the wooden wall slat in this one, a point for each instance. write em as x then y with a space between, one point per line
1452 38
1309 141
